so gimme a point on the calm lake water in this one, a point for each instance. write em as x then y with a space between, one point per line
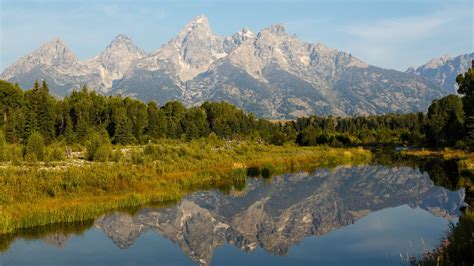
360 215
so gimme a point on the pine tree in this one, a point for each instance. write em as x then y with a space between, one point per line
11 98
69 130
123 129
45 87
466 87
156 126
32 104
46 117
81 128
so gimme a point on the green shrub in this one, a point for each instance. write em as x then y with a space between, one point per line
14 153
94 144
149 149
55 152
137 157
35 149
31 157
116 155
103 153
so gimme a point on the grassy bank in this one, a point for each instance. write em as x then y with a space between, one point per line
466 159
36 194
457 248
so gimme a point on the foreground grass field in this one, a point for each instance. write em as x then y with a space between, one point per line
36 194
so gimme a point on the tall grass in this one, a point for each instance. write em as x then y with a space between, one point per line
38 194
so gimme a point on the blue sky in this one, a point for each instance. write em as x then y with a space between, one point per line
390 34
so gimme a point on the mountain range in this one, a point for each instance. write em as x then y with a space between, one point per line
275 217
270 73
444 70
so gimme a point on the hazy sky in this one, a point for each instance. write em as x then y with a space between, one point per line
391 34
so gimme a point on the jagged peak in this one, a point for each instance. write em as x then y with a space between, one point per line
55 42
321 47
276 29
198 21
436 62
246 32
119 44
121 38
55 48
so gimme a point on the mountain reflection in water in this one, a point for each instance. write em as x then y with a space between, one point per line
277 214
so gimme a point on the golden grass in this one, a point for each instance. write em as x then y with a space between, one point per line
41 194
466 159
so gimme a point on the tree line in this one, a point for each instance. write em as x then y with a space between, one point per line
123 120
449 121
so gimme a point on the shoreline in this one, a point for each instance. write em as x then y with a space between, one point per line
37 197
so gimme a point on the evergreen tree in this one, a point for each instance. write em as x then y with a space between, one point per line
32 105
81 128
194 123
46 116
137 114
156 126
69 135
466 87
14 128
44 87
123 129
446 119
11 97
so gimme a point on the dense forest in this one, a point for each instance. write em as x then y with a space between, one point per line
34 117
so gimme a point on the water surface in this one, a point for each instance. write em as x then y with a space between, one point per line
358 215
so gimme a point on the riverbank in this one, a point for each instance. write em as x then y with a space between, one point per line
456 248
37 194
465 159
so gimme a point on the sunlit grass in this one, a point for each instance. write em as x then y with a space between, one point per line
466 159
38 194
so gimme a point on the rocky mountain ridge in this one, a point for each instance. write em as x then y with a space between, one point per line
270 73
444 70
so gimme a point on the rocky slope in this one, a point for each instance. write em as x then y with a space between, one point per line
270 73
443 70
115 60
59 66
278 216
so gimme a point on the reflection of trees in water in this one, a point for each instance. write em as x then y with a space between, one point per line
54 234
443 172
458 249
